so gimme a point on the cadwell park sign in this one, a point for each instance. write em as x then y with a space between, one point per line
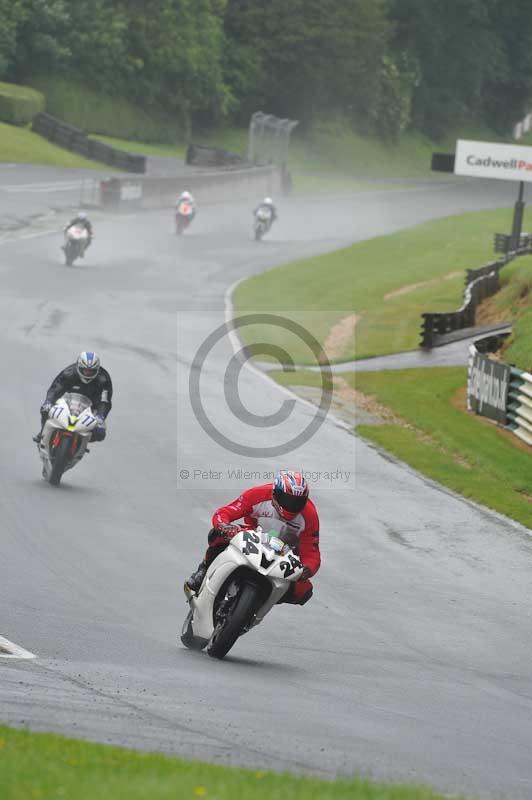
508 162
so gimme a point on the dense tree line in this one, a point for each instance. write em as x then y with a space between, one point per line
382 65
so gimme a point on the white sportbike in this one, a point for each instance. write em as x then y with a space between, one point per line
76 241
65 435
241 586
262 223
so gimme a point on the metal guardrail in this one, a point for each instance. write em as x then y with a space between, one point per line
200 155
77 140
500 392
519 405
480 283
503 242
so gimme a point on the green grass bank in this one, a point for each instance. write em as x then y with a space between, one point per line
437 436
386 283
514 302
22 146
47 767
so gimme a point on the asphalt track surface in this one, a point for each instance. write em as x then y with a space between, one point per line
413 659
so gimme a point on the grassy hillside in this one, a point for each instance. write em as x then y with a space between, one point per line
107 114
514 302
386 282
433 432
20 145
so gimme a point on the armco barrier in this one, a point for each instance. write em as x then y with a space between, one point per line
480 283
75 139
199 155
519 405
213 187
500 392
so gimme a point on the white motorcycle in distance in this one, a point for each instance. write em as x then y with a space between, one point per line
76 241
65 435
241 586
262 223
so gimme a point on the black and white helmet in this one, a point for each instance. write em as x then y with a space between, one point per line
88 366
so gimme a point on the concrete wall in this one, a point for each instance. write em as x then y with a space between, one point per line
207 187
213 187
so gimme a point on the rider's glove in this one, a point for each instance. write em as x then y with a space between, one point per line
100 422
305 574
46 406
228 531
225 532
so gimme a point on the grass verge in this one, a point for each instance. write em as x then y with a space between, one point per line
387 282
47 766
105 113
514 302
145 149
438 437
22 146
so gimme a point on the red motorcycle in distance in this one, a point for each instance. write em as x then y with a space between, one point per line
183 216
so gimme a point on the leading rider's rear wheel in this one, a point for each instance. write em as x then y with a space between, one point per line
70 254
226 633
60 460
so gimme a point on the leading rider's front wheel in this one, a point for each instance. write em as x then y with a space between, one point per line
61 456
225 634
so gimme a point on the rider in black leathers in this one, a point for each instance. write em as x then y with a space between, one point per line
268 204
86 377
82 220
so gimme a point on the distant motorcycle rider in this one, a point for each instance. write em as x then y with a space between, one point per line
268 205
84 222
284 506
186 197
86 376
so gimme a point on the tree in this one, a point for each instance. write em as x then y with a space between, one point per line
306 58
11 14
458 52
41 36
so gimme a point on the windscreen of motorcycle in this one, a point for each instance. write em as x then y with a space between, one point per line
77 403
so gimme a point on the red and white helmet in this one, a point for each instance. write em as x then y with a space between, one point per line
289 493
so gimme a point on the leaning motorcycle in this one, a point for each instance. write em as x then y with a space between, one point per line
183 216
76 241
240 587
65 435
262 224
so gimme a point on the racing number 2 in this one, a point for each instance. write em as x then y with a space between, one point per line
290 566
250 539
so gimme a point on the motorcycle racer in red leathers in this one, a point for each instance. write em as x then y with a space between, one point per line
283 506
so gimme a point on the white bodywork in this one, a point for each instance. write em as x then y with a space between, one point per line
73 413
264 214
251 549
263 221
77 233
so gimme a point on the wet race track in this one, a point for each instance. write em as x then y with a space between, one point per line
412 661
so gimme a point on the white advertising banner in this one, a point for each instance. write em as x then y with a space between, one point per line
507 162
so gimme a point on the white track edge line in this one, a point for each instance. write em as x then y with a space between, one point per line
25 236
13 650
237 345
